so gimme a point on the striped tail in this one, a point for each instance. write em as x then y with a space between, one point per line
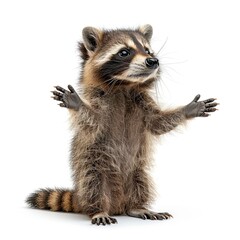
54 200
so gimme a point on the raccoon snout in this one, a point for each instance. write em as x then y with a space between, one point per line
152 63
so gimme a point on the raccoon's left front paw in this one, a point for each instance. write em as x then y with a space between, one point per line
69 99
201 108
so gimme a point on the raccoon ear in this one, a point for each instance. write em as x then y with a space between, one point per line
147 31
91 38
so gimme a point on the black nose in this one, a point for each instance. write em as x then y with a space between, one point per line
152 63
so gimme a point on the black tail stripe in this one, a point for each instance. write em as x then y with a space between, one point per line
59 200
62 199
47 194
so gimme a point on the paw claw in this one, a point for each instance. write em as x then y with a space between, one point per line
114 220
98 221
94 220
62 105
61 89
108 220
143 216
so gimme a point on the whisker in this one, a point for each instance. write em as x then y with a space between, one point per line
120 83
162 46
140 69
113 82
138 64
109 71
118 61
170 68
156 86
174 63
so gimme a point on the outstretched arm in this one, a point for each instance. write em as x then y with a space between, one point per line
68 99
80 109
160 122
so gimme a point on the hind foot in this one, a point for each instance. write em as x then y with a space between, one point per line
146 214
103 218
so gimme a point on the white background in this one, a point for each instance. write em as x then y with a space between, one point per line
196 171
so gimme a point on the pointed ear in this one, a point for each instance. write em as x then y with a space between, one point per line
147 31
91 38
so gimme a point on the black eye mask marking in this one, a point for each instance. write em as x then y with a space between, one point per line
116 65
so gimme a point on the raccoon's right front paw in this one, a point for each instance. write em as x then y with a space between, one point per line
68 99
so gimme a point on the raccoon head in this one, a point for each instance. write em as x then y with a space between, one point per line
119 56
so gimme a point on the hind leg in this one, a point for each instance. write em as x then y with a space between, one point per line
140 196
94 197
92 184
147 214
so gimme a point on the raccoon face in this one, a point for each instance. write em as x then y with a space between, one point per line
123 56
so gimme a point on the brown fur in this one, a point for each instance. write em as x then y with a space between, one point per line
111 147
115 151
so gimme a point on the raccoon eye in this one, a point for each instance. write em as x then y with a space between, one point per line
124 53
147 51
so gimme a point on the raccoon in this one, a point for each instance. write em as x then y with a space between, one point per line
114 120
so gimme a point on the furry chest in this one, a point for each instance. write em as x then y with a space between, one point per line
125 125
